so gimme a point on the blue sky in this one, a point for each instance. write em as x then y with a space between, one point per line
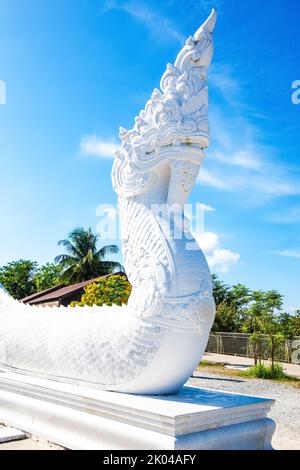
75 70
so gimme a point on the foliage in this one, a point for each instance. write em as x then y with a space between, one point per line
290 324
263 371
83 260
256 312
296 322
47 276
111 290
220 290
237 308
18 278
262 318
256 342
254 319
226 318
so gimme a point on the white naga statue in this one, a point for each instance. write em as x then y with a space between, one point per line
153 344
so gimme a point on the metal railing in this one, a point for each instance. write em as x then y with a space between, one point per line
239 344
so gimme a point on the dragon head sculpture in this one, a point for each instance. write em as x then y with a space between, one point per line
174 120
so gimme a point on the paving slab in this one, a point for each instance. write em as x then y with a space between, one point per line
11 434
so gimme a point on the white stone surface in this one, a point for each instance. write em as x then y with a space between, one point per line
153 344
11 434
84 418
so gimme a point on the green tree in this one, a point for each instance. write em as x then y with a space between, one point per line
254 323
288 325
263 319
225 319
290 328
83 259
220 290
254 320
231 304
18 278
274 301
273 306
239 297
111 290
47 276
296 322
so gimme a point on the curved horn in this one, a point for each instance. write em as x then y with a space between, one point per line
209 25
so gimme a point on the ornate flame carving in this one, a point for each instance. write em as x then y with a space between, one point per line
174 117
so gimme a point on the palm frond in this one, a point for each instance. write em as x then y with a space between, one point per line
86 240
70 275
66 259
82 261
71 249
108 267
107 250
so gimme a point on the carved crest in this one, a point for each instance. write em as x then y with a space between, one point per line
174 119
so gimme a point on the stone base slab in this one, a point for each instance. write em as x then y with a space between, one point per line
78 417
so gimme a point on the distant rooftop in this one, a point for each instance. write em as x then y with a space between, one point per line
62 294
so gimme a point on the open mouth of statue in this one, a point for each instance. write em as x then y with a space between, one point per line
199 143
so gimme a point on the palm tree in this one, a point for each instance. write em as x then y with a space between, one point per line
83 261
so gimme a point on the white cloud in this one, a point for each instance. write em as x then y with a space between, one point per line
276 185
221 77
257 188
289 253
219 259
288 216
98 147
208 241
208 179
243 158
222 259
238 161
158 25
292 309
207 208
107 210
107 227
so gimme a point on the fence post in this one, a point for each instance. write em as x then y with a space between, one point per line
241 347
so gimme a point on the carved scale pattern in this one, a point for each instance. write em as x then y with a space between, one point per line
153 344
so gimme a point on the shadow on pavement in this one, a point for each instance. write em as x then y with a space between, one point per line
222 379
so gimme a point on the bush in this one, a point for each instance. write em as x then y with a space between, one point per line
262 371
47 276
106 291
18 278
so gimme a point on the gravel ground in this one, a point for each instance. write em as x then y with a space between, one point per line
286 411
29 443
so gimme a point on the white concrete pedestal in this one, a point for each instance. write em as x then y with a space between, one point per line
78 417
